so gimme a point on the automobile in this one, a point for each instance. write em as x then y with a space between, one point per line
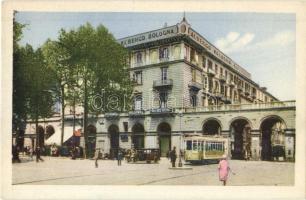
145 154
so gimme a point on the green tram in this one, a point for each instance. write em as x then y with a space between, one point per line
205 149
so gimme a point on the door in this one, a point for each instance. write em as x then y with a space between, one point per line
164 145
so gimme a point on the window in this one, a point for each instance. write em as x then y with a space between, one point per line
138 102
137 77
225 74
164 75
221 70
192 55
163 52
216 68
186 53
203 62
194 145
205 82
163 97
209 65
193 100
193 75
189 145
138 57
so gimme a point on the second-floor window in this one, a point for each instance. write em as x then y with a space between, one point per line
137 77
138 102
193 100
163 98
164 73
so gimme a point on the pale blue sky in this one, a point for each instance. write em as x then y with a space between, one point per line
264 44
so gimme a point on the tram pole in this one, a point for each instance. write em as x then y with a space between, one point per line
180 153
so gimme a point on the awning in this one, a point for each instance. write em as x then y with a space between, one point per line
56 137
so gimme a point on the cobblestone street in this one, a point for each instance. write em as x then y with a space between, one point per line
64 171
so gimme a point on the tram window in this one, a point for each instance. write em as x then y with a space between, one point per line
195 146
189 145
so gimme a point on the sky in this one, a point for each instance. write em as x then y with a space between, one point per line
261 43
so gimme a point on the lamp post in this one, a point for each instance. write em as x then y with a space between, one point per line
180 154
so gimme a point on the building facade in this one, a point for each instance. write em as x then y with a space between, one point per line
184 85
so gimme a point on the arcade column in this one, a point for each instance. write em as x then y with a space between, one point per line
255 145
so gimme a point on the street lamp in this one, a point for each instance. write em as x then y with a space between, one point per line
180 154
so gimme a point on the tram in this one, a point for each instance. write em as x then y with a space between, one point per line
203 149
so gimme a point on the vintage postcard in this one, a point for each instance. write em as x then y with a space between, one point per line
153 100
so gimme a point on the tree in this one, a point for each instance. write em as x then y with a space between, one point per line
39 83
56 59
98 63
19 90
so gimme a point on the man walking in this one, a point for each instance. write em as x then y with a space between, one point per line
173 156
96 157
38 152
119 157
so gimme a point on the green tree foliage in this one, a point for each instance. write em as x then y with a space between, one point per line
32 83
87 61
19 91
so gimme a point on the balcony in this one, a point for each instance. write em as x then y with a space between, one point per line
168 83
253 96
195 86
222 78
211 72
166 59
239 88
111 115
162 111
137 114
138 64
237 106
247 93
232 83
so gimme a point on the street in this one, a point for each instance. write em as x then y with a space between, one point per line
64 171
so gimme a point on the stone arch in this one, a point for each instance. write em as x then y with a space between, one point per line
240 117
164 138
138 136
49 131
113 133
272 132
240 133
212 126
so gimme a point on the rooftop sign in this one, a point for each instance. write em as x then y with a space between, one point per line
149 36
214 51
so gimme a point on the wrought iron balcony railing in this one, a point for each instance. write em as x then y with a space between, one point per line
163 83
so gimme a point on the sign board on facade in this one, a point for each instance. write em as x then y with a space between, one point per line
214 51
149 36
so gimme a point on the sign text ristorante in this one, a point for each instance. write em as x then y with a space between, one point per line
149 36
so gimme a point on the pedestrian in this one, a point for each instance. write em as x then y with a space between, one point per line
173 156
30 153
96 157
224 169
38 153
119 157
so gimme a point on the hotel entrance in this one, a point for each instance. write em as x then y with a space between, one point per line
164 138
